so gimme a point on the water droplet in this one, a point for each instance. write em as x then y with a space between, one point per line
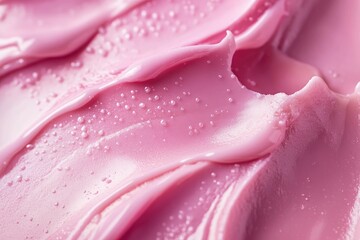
267 3
101 132
103 52
90 50
154 16
282 122
172 14
252 83
76 64
106 148
144 14
147 89
19 178
127 36
163 122
30 146
84 135
35 75
80 120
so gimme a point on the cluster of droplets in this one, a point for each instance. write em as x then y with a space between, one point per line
155 103
83 129
46 149
27 80
34 84
149 21
282 117
253 16
181 223
150 102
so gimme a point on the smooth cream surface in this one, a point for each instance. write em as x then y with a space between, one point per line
216 119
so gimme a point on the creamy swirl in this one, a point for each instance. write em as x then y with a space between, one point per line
216 119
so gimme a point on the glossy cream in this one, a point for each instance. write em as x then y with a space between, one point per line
177 120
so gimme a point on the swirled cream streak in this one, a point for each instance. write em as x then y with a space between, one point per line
166 119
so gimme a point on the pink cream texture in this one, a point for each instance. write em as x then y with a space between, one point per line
216 119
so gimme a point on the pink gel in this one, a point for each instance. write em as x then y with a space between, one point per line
163 119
